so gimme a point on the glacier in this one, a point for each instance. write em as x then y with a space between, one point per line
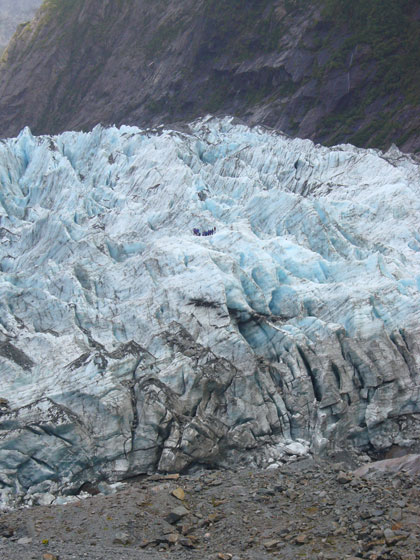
129 345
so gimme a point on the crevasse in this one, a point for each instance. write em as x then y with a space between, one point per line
129 344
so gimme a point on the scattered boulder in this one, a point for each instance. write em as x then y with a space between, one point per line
24 540
176 514
173 538
344 478
186 542
271 544
302 538
178 493
295 448
7 532
408 463
122 538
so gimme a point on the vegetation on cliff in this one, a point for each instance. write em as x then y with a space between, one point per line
390 32
330 70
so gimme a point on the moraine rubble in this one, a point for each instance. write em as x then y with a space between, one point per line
307 509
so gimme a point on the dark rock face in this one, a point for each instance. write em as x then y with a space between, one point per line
289 65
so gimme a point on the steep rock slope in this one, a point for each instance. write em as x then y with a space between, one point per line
316 69
13 13
129 344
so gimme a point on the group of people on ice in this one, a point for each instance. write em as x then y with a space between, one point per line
196 231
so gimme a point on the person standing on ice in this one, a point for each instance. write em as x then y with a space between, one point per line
212 231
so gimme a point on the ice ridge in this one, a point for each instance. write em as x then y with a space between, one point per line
128 343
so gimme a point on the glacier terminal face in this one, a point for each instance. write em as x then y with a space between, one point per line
128 343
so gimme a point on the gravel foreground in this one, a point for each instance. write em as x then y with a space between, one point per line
305 510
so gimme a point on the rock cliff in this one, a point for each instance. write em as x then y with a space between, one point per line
328 70
13 13
129 344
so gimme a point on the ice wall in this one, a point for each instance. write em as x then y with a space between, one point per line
128 344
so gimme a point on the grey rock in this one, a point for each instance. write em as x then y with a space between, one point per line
390 536
176 514
24 540
271 544
122 538
7 532
368 513
344 478
186 542
407 463
396 514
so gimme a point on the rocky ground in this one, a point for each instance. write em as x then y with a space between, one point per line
304 510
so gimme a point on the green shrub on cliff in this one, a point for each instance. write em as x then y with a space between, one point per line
393 33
